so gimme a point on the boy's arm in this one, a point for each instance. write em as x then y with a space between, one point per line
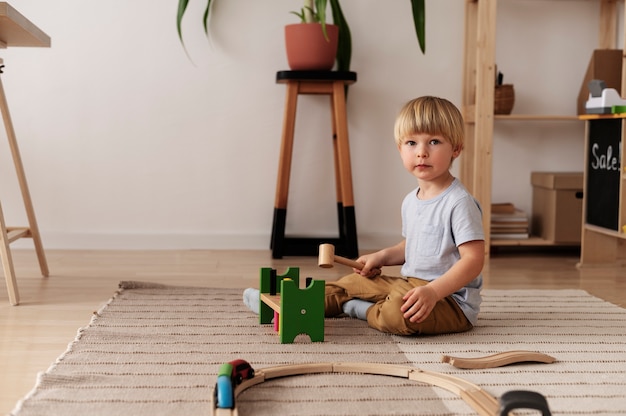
390 256
463 272
394 255
420 301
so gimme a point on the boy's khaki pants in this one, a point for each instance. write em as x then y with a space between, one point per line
386 292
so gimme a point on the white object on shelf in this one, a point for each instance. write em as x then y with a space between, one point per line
603 103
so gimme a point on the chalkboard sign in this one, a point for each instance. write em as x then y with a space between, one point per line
603 172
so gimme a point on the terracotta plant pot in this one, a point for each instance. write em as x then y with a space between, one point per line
308 49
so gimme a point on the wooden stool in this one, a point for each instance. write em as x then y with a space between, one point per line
331 83
18 31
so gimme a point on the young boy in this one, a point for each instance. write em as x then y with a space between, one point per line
443 250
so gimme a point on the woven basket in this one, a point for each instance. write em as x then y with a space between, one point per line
504 98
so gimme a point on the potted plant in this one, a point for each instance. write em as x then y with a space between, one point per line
315 11
312 43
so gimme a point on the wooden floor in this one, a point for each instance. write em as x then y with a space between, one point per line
35 333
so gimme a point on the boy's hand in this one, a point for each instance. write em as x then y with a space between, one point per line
371 273
371 266
419 303
374 262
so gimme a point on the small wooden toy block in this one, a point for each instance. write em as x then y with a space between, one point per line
300 311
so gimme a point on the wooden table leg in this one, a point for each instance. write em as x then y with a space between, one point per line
7 262
21 177
343 145
284 170
347 216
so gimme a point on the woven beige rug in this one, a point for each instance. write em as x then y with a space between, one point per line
155 350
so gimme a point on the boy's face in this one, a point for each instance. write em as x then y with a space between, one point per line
428 157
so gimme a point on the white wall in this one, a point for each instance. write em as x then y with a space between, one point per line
128 143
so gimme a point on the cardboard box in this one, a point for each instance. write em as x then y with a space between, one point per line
605 64
557 206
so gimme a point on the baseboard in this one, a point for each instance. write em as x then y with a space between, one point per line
88 241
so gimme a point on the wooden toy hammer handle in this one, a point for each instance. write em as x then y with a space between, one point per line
348 262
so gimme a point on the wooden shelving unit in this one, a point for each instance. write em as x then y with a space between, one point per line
606 243
534 117
478 102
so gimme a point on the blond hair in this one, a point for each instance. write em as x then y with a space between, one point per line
430 115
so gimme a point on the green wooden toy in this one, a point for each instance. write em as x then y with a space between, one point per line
299 311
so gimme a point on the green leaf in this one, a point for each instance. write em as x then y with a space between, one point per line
205 17
300 15
419 20
320 6
182 7
308 12
344 48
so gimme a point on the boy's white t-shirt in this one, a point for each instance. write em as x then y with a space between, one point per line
433 230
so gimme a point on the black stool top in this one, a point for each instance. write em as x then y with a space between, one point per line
348 76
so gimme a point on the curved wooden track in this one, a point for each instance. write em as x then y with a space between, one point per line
481 401
498 360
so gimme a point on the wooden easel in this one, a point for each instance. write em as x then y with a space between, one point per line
18 31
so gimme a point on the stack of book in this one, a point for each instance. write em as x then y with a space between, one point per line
508 222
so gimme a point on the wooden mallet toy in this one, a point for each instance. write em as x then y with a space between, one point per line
327 258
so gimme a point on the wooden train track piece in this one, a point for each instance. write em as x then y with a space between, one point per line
498 360
296 370
478 399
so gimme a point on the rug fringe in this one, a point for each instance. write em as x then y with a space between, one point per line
133 284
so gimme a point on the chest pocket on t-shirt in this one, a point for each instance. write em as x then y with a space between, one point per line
429 241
